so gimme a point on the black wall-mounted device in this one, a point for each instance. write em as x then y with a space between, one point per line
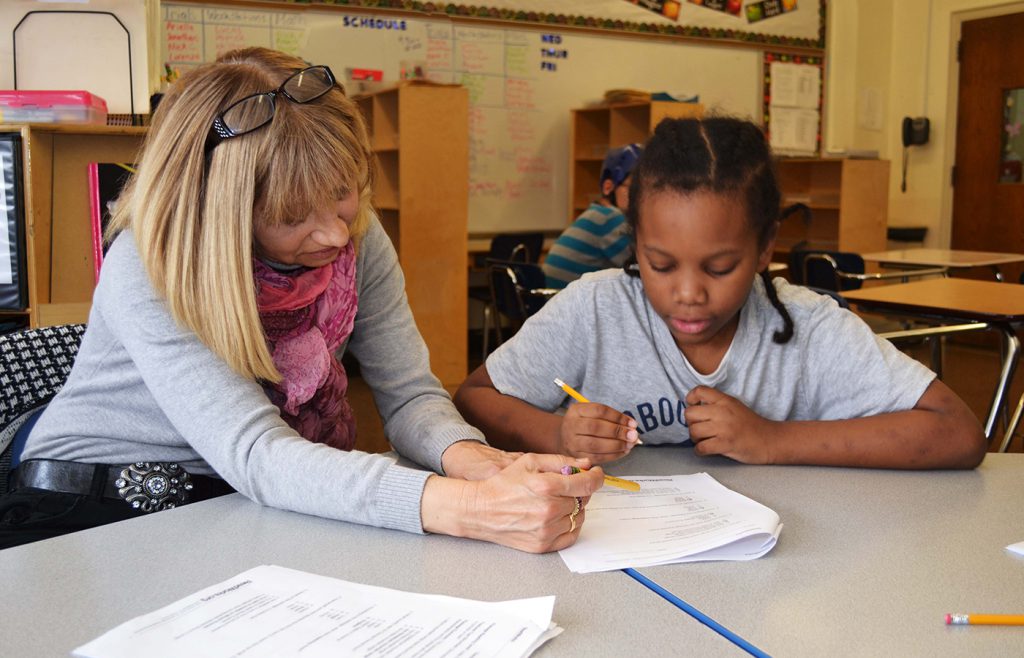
915 133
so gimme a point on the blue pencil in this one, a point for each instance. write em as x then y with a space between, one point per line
695 613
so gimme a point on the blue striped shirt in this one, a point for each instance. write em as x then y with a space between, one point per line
598 239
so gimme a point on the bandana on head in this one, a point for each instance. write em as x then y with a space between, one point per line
306 317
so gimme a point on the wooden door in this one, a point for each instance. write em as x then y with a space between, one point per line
988 215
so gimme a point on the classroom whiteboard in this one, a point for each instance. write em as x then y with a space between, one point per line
522 82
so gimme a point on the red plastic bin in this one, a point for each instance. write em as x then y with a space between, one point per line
36 106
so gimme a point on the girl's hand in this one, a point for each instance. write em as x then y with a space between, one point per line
722 425
472 460
526 506
596 431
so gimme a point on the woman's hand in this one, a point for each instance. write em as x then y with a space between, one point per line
722 425
472 460
597 432
529 505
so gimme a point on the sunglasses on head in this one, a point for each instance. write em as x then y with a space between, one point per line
255 111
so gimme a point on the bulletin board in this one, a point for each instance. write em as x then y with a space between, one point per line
793 95
523 80
797 23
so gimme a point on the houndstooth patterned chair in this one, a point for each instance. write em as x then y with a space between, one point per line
34 365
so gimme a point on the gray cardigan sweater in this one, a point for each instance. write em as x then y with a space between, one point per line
144 389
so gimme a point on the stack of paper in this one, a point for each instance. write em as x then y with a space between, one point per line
273 611
675 518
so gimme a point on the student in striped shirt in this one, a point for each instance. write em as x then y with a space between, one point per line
599 238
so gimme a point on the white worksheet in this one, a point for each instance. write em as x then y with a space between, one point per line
273 611
673 518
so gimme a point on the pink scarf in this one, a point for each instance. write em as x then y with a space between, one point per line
306 317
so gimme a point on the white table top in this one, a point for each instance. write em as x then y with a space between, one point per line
868 563
953 258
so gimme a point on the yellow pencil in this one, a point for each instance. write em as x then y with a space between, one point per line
628 485
575 395
988 620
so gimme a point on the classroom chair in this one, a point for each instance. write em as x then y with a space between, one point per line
520 247
837 271
844 270
517 292
34 364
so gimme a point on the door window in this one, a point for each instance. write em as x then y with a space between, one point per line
1012 153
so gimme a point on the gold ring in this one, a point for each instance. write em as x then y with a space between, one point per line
573 513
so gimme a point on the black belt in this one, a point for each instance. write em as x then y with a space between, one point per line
145 486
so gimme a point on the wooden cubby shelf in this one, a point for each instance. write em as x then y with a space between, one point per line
597 129
58 236
848 200
420 135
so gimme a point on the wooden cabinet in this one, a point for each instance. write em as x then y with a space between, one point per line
58 236
594 130
420 134
849 202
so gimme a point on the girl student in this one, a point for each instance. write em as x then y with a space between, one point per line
246 255
694 343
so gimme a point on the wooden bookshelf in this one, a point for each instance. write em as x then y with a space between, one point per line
594 130
849 202
420 134
58 235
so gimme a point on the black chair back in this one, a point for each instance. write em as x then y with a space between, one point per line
818 268
522 247
519 247
517 291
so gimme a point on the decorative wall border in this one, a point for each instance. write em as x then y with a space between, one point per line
455 10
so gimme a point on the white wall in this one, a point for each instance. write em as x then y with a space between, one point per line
907 51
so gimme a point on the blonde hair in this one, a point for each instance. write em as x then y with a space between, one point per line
193 215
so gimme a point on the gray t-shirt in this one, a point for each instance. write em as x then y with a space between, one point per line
144 389
601 336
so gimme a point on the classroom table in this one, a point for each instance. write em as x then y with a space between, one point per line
868 563
952 301
953 259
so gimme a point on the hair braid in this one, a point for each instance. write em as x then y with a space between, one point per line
782 336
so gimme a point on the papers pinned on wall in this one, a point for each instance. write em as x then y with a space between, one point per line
794 115
794 131
674 518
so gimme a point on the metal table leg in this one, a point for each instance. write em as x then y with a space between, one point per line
1011 356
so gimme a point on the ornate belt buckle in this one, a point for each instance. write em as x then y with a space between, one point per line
154 486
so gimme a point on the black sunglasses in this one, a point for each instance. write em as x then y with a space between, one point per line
253 112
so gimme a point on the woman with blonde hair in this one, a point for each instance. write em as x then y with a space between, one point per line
244 260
